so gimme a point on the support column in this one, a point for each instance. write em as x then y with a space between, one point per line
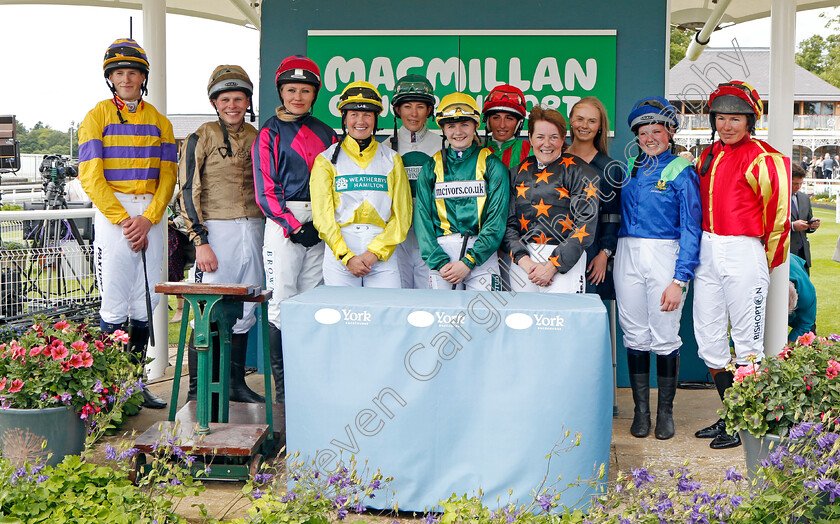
154 43
780 136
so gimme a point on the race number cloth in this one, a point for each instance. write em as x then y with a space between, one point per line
448 392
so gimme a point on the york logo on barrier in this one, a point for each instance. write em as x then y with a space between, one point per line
356 317
548 322
445 319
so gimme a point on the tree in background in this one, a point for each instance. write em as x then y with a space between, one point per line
42 139
680 38
821 55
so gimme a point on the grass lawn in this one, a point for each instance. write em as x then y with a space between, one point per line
825 272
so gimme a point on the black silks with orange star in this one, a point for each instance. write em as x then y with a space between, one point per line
555 205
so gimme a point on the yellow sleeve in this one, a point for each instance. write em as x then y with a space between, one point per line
168 172
321 184
384 244
91 167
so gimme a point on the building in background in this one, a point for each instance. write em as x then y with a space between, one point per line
816 107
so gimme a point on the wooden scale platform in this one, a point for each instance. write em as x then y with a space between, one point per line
232 443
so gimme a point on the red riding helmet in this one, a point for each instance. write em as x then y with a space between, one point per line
505 98
298 69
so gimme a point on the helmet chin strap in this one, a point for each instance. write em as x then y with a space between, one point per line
133 104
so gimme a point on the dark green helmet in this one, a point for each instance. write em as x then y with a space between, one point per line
413 88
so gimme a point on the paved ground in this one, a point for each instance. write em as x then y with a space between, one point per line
693 409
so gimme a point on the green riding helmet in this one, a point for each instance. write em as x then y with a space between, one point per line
413 88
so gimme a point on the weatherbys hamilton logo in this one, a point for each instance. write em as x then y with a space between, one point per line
329 316
540 321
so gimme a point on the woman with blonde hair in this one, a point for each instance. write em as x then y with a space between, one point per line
589 125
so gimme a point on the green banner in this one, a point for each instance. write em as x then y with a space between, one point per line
553 68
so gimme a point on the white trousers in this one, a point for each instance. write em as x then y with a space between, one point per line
572 281
119 270
413 271
730 292
482 278
384 273
644 268
290 268
237 244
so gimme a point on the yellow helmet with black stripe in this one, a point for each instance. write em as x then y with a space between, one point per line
455 107
360 96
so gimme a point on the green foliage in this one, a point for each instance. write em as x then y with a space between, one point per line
73 492
776 393
63 363
316 498
166 479
821 55
680 39
42 139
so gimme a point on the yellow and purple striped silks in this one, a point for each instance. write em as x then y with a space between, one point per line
136 157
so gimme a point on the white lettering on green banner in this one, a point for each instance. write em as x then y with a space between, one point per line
361 183
554 68
460 189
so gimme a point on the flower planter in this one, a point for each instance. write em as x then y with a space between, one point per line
756 449
23 432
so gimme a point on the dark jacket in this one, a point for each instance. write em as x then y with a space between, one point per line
799 244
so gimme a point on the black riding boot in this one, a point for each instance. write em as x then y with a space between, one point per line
723 380
138 341
239 390
638 364
667 371
192 365
723 440
275 341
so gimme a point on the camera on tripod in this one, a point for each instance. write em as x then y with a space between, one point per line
54 167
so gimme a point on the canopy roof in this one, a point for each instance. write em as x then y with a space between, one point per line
688 13
694 13
239 12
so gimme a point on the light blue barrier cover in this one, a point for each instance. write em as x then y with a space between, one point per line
393 377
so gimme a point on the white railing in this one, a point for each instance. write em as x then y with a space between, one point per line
46 263
810 122
820 186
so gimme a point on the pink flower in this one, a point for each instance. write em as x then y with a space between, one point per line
79 345
806 339
87 359
745 371
59 352
121 336
65 366
16 385
46 351
75 361
35 351
99 345
61 324
833 369
2 383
